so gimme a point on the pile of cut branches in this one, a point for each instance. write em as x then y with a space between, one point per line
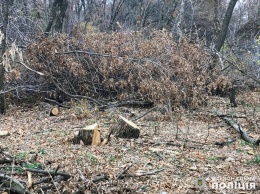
126 65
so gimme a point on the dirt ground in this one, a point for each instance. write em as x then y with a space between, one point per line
173 151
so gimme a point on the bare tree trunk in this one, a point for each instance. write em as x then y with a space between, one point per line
115 11
216 20
223 32
62 13
58 11
26 12
5 11
225 24
68 18
46 16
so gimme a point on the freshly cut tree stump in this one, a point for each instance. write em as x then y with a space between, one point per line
96 139
125 129
89 135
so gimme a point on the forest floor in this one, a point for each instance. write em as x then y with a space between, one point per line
169 157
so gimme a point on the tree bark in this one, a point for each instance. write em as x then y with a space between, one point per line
68 21
5 11
225 24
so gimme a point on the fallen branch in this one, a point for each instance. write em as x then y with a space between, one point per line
42 180
137 103
11 184
225 142
124 171
71 95
39 73
27 88
5 160
141 174
233 116
52 173
54 101
144 114
238 128
160 108
121 175
106 55
100 178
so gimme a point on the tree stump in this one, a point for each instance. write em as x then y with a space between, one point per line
89 135
125 129
232 97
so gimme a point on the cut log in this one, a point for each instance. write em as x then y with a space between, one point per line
125 129
89 135
54 111
49 109
4 133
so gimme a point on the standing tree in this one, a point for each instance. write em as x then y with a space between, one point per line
221 40
5 11
225 24
58 12
223 32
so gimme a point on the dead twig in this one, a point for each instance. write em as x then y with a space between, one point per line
131 103
39 73
52 173
142 174
71 95
54 101
100 178
123 171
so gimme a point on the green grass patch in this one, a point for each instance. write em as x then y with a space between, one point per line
255 160
91 158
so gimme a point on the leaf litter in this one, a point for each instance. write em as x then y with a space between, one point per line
156 162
